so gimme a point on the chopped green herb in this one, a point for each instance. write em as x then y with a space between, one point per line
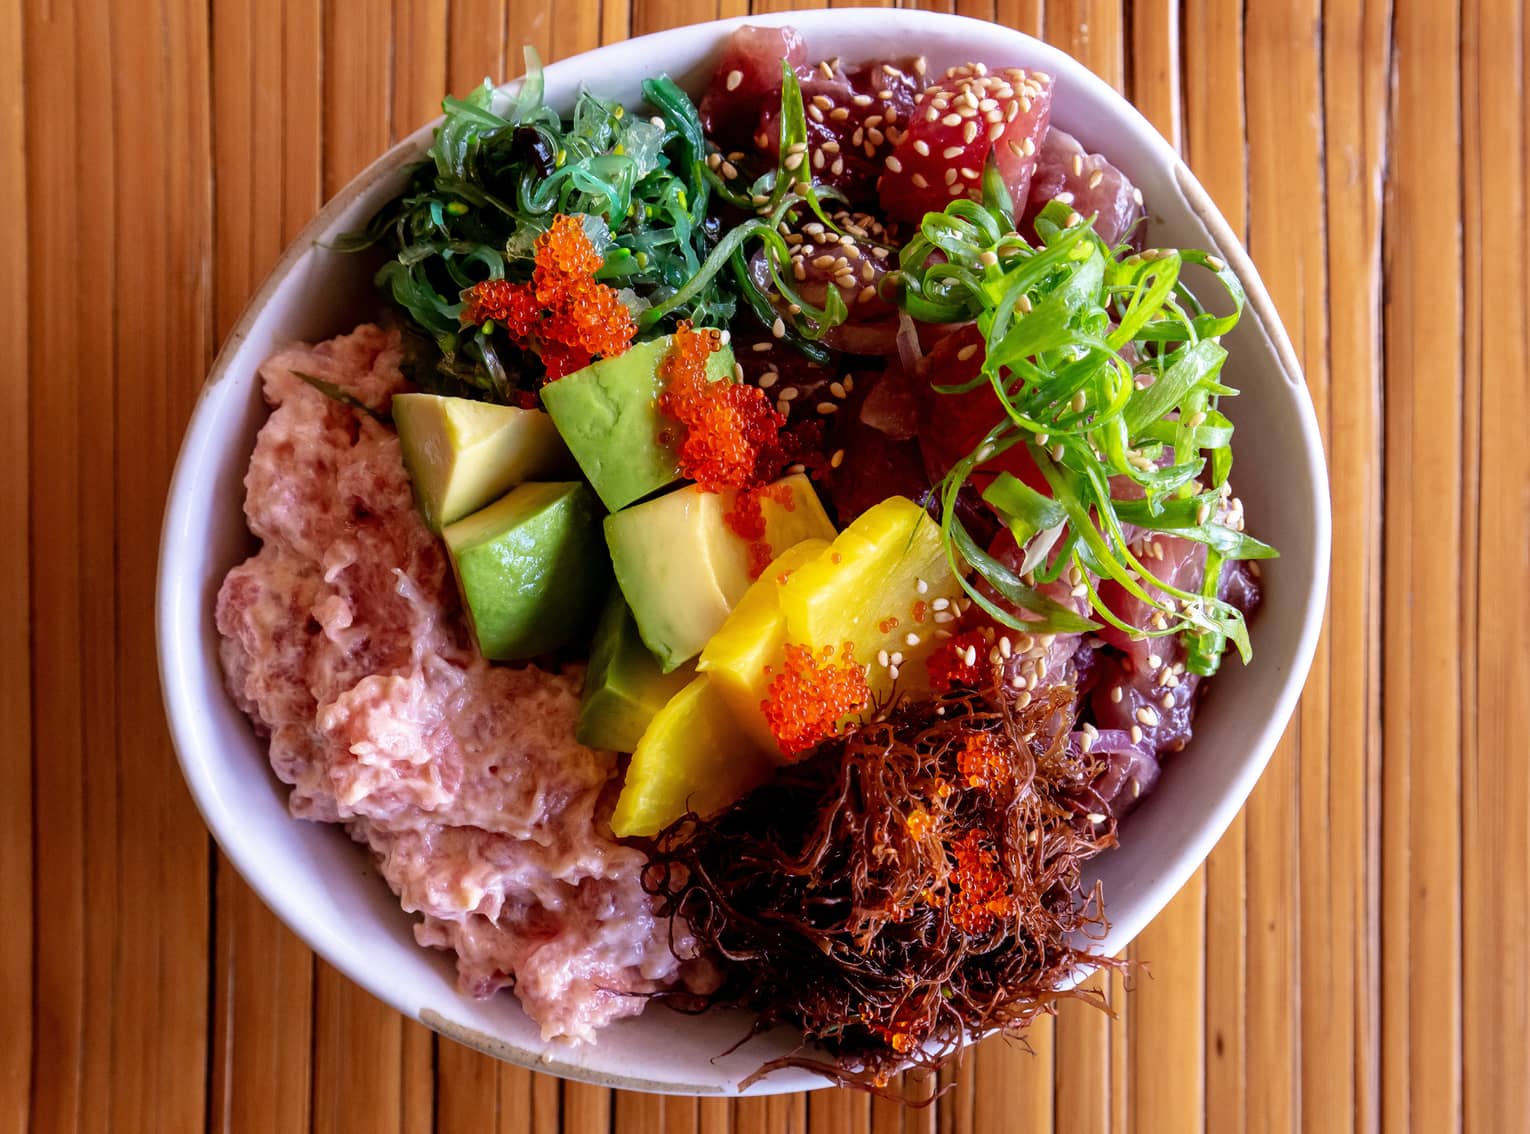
1107 369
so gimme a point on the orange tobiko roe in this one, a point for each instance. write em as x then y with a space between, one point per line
732 436
565 314
948 665
812 694
982 896
729 426
985 762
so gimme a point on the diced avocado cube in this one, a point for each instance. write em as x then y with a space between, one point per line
462 454
683 568
865 590
608 414
624 687
743 656
693 757
532 568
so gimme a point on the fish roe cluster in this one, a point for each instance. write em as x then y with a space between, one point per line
955 661
747 520
565 314
732 436
985 761
919 823
732 433
982 895
811 694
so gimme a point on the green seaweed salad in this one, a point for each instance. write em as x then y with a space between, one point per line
670 232
1106 365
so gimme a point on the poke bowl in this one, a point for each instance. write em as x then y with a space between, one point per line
339 897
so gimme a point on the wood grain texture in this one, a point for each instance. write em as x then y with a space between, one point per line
1421 1022
1354 955
16 847
1495 787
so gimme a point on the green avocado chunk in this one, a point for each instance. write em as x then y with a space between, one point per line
608 414
682 568
624 687
463 454
532 569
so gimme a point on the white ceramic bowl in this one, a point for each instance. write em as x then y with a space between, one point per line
324 887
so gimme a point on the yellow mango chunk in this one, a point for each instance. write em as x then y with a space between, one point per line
694 756
753 640
866 590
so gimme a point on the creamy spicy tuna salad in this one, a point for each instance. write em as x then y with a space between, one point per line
761 551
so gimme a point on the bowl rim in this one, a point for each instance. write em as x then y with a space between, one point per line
182 703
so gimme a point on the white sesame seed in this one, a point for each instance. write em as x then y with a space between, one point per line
837 459
970 657
735 77
897 657
911 639
951 120
789 394
778 328
967 352
919 181
969 132
894 164
882 658
1147 716
1136 734
892 672
1116 695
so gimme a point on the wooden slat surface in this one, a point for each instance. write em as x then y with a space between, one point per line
1354 955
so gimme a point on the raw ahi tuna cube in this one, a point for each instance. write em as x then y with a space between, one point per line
957 123
747 78
855 118
1065 171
